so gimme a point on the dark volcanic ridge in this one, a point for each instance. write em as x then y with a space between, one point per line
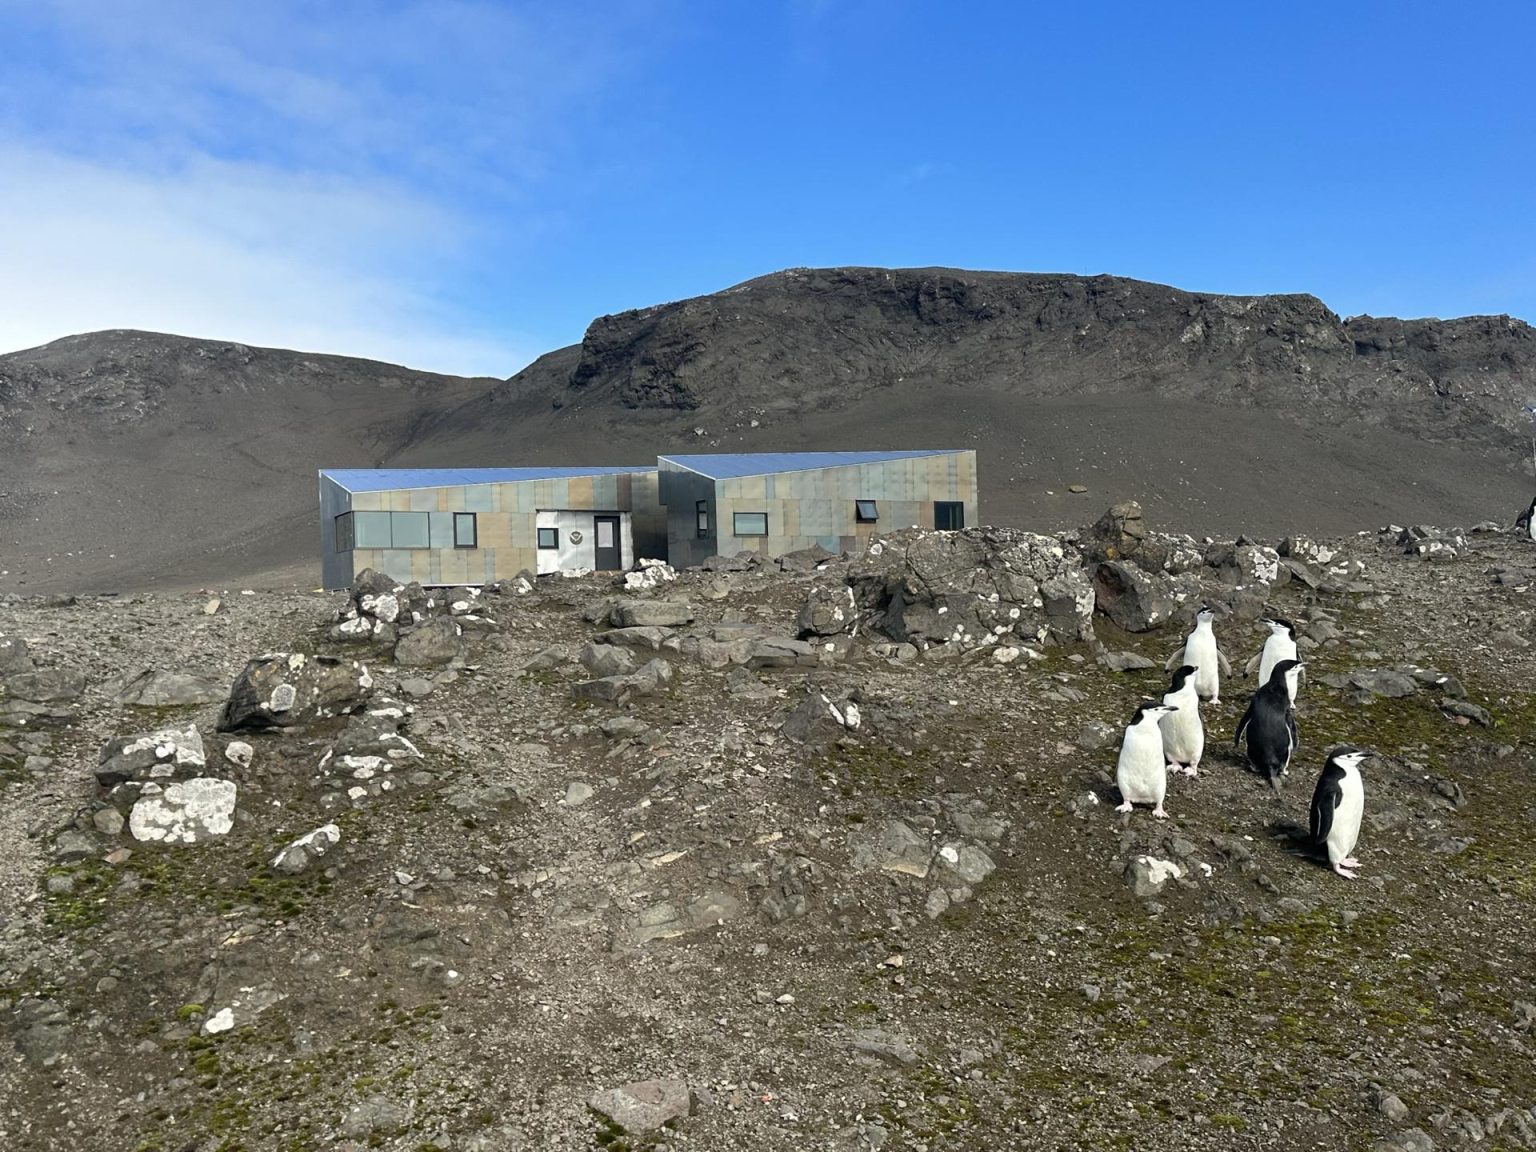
130 459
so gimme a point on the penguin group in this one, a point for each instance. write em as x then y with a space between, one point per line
1171 736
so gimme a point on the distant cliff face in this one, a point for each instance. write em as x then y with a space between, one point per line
807 339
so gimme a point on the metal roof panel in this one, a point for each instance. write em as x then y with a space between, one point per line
395 479
730 465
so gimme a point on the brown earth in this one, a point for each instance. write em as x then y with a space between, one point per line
130 460
483 953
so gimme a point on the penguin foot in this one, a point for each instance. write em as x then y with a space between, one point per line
1349 862
1191 769
1343 871
1159 813
1126 807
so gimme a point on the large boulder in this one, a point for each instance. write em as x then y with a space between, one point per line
647 680
643 1106
14 656
828 612
188 812
1118 534
972 587
818 720
651 614
289 689
433 642
1139 601
44 685
164 754
162 689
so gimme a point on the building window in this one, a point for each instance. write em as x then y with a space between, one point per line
344 532
701 513
948 515
370 529
385 530
750 524
549 537
866 511
465 533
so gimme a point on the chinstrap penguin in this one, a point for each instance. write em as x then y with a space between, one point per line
1200 652
1270 723
1183 732
1279 645
1526 524
1338 805
1142 773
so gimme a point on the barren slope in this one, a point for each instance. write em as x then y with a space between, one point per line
132 458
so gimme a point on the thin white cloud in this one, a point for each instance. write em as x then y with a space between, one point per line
236 252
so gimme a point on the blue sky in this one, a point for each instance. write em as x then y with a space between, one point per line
462 186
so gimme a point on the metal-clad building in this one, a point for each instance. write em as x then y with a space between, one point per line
475 525
778 502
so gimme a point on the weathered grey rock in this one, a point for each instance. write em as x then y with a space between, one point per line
164 754
1392 1108
817 719
1126 662
1135 600
301 853
577 793
970 864
606 660
44 685
42 1031
108 821
1384 682
644 1105
430 643
651 614
71 845
827 612
890 846
1117 535
781 652
650 678
972 586
15 656
643 637
162 689
883 1045
185 812
1474 712
547 659
376 1116
288 689
1097 734
1148 875
1246 565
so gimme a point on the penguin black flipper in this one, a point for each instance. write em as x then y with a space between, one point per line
1325 799
1523 524
1290 722
1243 723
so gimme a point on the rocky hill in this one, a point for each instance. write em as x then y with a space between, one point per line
129 459
818 854
133 458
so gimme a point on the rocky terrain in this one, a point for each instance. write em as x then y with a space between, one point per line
817 854
130 460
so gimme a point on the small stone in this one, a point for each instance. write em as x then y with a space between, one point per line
1077 489
239 753
644 1105
119 856
577 793
785 999
108 821
221 1021
1392 1108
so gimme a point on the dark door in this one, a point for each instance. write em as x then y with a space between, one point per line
948 515
608 551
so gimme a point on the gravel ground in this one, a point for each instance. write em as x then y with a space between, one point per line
921 933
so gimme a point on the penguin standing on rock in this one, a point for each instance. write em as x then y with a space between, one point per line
1200 652
1142 773
1183 733
1279 645
1270 723
1338 805
1526 524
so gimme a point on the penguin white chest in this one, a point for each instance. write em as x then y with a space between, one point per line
1183 733
1141 773
1276 649
1200 651
1530 528
1345 832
